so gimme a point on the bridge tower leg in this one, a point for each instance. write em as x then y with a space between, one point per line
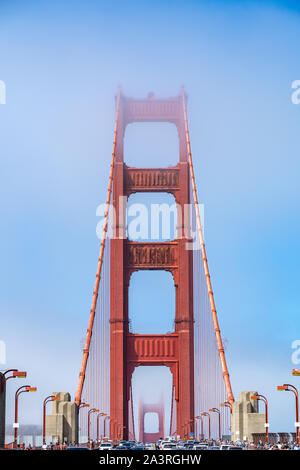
175 350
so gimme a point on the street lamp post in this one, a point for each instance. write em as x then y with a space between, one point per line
92 410
227 404
191 426
98 418
117 428
14 373
23 389
47 400
81 405
291 388
263 398
188 427
216 410
201 418
208 415
107 417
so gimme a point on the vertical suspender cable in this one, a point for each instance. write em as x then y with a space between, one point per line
100 261
208 281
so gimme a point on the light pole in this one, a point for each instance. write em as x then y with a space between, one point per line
201 434
14 373
208 415
216 410
263 398
121 431
23 389
47 400
98 418
81 405
291 388
184 427
107 417
187 428
92 410
117 428
227 404
190 427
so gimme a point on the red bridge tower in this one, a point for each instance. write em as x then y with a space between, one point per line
174 350
156 408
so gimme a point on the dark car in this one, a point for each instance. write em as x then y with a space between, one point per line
77 448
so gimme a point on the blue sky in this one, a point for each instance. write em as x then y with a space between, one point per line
62 64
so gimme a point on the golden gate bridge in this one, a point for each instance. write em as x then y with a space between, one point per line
194 351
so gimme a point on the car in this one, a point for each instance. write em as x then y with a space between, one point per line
224 447
125 445
168 446
122 447
149 446
161 443
106 446
181 444
214 448
188 446
170 439
77 448
200 447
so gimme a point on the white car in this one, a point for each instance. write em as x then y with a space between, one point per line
150 446
225 447
168 446
106 446
200 447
